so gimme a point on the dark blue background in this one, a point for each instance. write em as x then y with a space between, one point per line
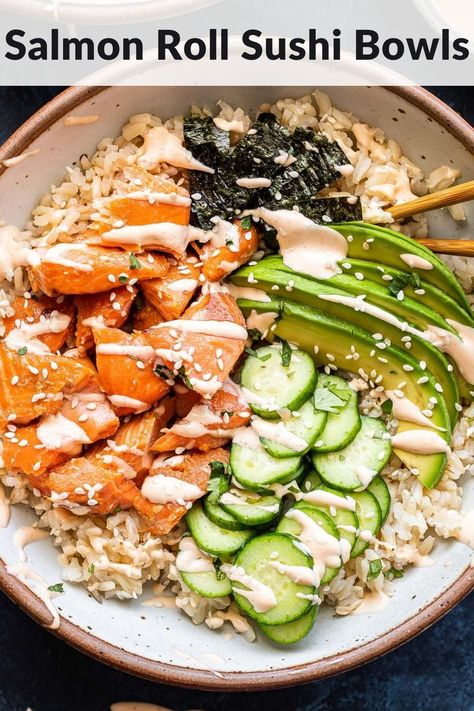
434 672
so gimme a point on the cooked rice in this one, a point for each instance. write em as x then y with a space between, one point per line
109 555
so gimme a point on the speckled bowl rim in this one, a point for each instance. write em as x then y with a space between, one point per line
233 681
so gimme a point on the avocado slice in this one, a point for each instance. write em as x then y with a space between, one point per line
308 291
308 327
433 297
386 248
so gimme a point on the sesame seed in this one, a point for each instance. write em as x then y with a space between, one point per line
422 365
387 277
421 381
33 370
359 276
116 306
53 365
438 387
407 368
15 380
111 278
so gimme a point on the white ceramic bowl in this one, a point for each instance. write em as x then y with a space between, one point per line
163 644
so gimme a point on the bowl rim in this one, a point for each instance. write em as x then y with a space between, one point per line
176 675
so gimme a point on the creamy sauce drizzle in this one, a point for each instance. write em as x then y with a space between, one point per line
156 197
277 432
183 285
38 586
326 498
192 560
58 433
161 146
58 255
221 329
305 246
405 409
24 536
27 333
13 252
420 442
128 402
297 573
247 292
162 235
253 183
324 548
261 322
141 352
416 262
261 597
161 489
371 602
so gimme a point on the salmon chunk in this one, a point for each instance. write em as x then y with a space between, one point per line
108 308
135 436
80 268
145 315
32 384
141 211
208 425
235 248
125 363
39 314
204 346
185 399
172 293
194 468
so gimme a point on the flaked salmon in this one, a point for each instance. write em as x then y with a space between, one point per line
32 384
109 308
205 344
234 248
185 399
79 268
209 424
125 363
172 293
145 315
43 311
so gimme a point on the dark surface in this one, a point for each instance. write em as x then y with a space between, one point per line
433 672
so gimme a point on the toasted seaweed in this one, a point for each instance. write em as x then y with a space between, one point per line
260 153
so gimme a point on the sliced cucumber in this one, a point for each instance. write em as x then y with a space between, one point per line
292 632
249 508
276 386
346 520
212 538
255 469
380 490
341 427
257 559
370 520
207 584
306 423
289 525
354 467
218 515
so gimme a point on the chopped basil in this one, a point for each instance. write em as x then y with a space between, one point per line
286 353
375 568
123 278
394 573
162 371
58 588
401 281
328 400
219 480
387 407
134 263
22 350
184 377
246 222
265 357
251 352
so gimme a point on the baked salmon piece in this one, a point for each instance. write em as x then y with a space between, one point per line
138 209
145 315
79 268
228 250
132 441
209 424
194 468
33 384
204 345
185 399
110 308
84 418
172 293
102 481
125 363
39 315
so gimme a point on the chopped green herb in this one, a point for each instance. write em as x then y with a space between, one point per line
286 353
387 407
184 377
401 281
220 575
22 350
230 413
246 222
251 352
375 568
117 510
162 371
265 357
58 588
219 480
123 278
134 263
328 400
394 573
91 569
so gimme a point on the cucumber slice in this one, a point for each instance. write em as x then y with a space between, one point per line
370 520
346 520
257 560
219 515
212 538
277 386
341 427
255 469
306 423
292 632
249 508
353 468
289 525
207 584
380 490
